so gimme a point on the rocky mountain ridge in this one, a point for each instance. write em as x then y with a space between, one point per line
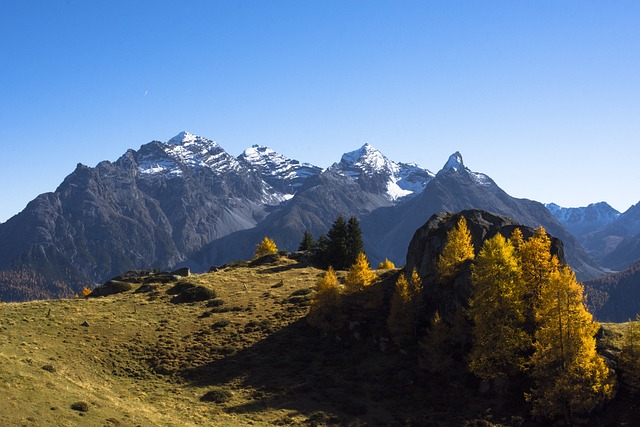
187 202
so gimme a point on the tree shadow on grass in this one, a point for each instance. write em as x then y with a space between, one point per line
296 369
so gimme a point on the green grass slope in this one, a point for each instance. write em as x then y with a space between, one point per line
245 357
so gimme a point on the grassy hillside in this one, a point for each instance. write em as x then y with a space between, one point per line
247 357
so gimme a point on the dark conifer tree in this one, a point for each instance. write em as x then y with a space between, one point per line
307 242
337 241
354 241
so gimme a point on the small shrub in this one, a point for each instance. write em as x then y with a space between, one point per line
217 395
80 406
216 302
221 324
386 264
180 287
112 287
301 292
194 294
86 291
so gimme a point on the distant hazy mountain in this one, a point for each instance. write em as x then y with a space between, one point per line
617 245
615 297
584 220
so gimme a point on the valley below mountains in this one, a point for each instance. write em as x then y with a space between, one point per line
187 202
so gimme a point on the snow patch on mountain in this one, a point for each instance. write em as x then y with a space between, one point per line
184 151
285 174
397 179
455 164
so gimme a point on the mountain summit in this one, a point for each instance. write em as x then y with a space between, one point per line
282 173
376 173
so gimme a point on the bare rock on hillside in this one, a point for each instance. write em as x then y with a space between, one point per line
111 287
429 240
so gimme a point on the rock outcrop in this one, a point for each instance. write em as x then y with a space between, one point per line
429 240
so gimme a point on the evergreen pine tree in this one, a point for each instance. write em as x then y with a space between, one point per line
337 245
629 360
354 241
307 242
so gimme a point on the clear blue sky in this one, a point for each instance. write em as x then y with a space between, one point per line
543 96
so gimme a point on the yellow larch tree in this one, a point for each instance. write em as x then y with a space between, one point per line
456 251
497 309
516 239
570 378
399 320
386 264
325 312
405 306
266 247
537 264
360 274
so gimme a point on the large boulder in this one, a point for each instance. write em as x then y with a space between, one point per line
429 240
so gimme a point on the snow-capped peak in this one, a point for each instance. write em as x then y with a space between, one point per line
186 139
182 138
260 155
454 163
284 174
367 157
394 180
184 150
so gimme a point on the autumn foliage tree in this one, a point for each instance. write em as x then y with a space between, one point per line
405 306
360 274
386 264
537 264
325 312
266 247
456 251
497 309
570 378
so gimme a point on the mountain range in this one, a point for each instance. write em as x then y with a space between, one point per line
187 202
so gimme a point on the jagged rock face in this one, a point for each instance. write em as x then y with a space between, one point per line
429 240
283 174
150 208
